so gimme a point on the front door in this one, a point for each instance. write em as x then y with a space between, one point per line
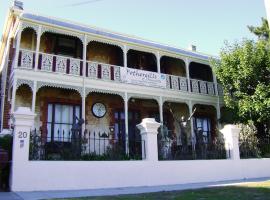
119 127
134 136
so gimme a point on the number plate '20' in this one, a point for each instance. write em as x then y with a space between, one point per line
22 135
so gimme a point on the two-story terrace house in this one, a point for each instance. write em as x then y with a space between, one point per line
65 71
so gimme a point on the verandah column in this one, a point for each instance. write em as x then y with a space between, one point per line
158 61
187 73
126 121
84 76
18 42
125 55
14 88
161 109
34 93
37 47
193 137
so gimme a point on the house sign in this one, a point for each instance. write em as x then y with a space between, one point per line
141 77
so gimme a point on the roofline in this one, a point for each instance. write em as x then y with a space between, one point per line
110 34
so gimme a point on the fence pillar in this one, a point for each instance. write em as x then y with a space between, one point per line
23 122
231 136
149 130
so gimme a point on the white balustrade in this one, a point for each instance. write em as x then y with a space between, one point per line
168 81
195 85
46 62
108 72
220 90
61 64
116 72
175 82
183 84
27 59
203 87
74 67
92 70
211 88
105 72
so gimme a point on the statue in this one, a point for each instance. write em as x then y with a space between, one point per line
183 126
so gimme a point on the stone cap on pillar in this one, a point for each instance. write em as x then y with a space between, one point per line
231 131
148 125
23 116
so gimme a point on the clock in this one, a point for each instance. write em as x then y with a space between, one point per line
99 110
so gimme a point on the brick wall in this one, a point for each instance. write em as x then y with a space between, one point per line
7 106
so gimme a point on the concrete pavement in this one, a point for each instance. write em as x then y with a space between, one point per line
117 191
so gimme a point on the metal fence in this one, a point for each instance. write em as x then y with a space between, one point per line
172 149
87 146
182 147
254 147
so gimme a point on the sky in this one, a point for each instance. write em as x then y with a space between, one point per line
204 23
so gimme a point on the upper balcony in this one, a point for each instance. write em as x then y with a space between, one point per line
64 54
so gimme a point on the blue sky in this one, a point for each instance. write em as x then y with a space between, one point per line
205 23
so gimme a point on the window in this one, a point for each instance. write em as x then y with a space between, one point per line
60 119
202 129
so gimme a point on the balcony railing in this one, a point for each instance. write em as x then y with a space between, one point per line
176 83
103 71
202 87
106 72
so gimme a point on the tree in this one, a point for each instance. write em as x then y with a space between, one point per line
244 72
262 31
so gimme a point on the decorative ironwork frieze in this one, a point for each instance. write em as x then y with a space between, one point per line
63 86
29 25
20 82
90 90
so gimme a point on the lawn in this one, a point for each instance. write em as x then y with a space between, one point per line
247 191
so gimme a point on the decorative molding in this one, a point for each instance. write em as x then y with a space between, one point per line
143 49
88 40
142 96
179 57
25 25
56 85
58 31
204 103
90 90
174 100
25 82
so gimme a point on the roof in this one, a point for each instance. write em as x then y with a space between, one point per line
126 38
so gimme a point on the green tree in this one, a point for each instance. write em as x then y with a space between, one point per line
261 31
244 72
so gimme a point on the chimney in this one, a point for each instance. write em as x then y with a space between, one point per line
192 47
18 5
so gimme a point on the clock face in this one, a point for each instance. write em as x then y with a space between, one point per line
99 110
